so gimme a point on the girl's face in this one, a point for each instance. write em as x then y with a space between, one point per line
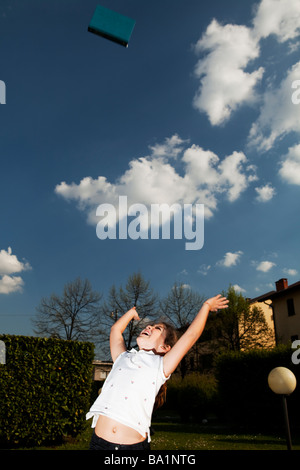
153 337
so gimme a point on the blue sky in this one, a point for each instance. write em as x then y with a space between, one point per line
198 110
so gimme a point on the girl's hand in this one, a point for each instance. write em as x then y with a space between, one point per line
117 343
217 303
135 315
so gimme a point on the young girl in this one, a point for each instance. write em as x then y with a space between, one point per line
122 412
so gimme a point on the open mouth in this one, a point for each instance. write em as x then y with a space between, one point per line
145 333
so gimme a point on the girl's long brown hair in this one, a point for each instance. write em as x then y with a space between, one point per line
170 340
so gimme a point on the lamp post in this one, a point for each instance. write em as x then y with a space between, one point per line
283 382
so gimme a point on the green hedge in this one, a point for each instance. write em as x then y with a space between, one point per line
45 389
244 396
193 397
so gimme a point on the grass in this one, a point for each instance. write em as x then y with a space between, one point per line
174 436
178 436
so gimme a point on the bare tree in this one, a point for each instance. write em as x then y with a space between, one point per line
137 293
181 305
73 316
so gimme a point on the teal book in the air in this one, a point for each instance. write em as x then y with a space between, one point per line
111 25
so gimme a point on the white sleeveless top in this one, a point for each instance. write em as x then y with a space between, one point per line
129 391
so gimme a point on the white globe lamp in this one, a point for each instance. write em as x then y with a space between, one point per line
283 382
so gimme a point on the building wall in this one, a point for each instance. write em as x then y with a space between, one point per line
268 314
287 326
101 369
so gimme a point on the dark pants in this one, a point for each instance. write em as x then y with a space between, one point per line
97 443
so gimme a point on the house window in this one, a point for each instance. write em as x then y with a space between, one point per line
290 307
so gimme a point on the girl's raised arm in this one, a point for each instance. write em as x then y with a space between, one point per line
116 340
173 357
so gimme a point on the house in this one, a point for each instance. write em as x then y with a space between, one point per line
101 370
266 308
285 305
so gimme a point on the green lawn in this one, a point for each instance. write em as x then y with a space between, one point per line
176 436
195 437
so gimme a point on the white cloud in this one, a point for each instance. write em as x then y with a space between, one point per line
265 266
290 166
278 115
172 147
239 289
278 17
10 264
232 175
265 193
224 84
230 259
10 284
152 179
290 272
204 269
204 169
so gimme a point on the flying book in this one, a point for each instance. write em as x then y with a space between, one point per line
111 25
